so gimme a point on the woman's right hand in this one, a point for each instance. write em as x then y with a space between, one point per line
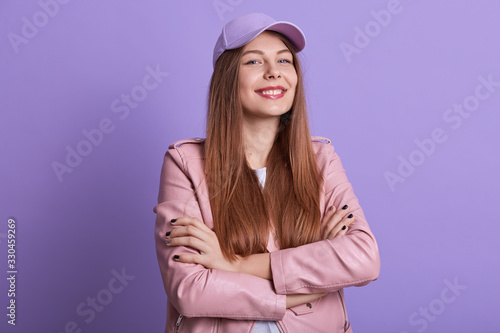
336 222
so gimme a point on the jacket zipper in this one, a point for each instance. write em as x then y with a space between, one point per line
343 308
178 323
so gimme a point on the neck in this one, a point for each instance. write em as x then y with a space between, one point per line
258 140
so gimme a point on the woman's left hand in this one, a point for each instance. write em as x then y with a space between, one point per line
336 222
195 234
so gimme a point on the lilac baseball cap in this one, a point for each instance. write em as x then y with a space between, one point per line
243 29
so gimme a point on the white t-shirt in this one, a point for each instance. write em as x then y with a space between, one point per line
261 174
264 326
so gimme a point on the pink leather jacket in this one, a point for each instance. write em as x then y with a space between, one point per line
206 300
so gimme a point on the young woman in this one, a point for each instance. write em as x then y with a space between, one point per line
258 228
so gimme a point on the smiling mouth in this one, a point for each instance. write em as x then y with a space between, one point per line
273 93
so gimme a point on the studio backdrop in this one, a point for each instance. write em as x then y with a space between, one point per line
93 92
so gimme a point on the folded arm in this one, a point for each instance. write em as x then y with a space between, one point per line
330 264
348 255
193 289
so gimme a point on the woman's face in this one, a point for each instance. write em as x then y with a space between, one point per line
267 77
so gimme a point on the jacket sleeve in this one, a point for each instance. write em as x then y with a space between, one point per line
329 265
192 289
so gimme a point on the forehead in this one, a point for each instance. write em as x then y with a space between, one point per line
268 40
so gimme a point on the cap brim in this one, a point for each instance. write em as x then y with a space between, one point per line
291 32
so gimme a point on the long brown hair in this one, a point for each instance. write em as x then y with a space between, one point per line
241 210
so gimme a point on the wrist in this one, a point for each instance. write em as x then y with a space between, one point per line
258 264
237 264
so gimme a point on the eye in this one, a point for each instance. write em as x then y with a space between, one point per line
251 62
285 61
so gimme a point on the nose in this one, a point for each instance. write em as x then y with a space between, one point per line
272 72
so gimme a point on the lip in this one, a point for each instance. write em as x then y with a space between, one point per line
277 96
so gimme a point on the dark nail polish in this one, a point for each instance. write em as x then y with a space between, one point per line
173 220
176 257
345 207
344 227
350 216
167 234
330 209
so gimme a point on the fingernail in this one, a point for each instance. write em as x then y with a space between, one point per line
176 257
330 209
173 220
350 216
344 227
167 234
168 241
345 207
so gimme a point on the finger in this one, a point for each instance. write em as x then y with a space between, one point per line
342 212
185 221
191 259
328 221
342 231
349 219
336 214
188 230
188 241
334 233
329 212
187 258
341 227
332 219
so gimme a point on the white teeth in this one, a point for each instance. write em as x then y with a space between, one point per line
272 92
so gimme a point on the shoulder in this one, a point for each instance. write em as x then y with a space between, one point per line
178 144
324 153
321 145
187 149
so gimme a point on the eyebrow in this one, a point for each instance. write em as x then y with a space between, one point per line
262 53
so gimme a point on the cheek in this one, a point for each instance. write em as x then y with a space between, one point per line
295 80
292 78
241 89
244 84
245 78
244 93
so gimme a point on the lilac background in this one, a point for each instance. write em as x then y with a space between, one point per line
439 225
